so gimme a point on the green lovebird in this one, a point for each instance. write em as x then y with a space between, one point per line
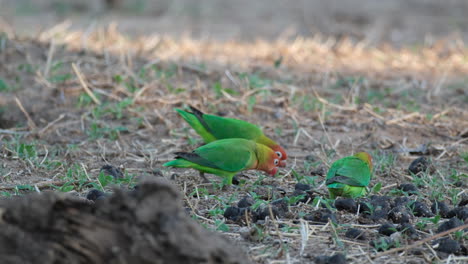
211 128
227 157
349 176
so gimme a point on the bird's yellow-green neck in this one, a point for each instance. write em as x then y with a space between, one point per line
365 157
266 141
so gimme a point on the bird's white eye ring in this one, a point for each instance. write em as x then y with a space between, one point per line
276 162
279 154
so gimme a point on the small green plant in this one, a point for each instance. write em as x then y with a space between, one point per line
221 225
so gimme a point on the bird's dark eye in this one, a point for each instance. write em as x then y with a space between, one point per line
276 162
279 154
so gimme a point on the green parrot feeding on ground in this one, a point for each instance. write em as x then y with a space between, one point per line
227 157
211 128
350 176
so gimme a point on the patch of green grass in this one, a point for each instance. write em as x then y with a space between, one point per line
383 161
97 130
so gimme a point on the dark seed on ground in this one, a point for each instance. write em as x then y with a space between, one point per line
387 229
408 188
440 208
245 202
447 225
448 246
355 233
346 204
418 165
302 186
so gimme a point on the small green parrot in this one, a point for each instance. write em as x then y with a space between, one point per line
349 176
227 157
211 128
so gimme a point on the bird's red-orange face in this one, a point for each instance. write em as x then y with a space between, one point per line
271 164
281 154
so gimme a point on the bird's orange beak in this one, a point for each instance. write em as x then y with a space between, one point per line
273 171
282 163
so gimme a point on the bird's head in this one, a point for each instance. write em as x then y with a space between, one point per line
366 157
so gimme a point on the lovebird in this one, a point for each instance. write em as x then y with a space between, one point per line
349 176
227 157
212 127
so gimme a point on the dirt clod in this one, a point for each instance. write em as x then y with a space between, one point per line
95 195
408 230
418 165
355 233
321 216
246 202
408 188
125 228
346 204
335 259
440 208
387 229
421 210
112 171
459 212
447 225
448 246
400 215
302 186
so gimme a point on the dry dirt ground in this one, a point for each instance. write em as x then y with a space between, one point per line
72 102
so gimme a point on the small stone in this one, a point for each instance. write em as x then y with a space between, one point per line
246 202
448 246
346 204
440 208
302 186
387 229
355 233
408 188
418 165
447 225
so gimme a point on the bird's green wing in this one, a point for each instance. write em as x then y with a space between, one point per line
351 171
229 155
222 127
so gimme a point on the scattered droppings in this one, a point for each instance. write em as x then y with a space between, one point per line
335 259
346 204
440 208
95 195
408 230
420 209
400 215
112 171
302 187
448 246
447 225
459 212
321 216
387 229
245 202
408 188
355 233
418 165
